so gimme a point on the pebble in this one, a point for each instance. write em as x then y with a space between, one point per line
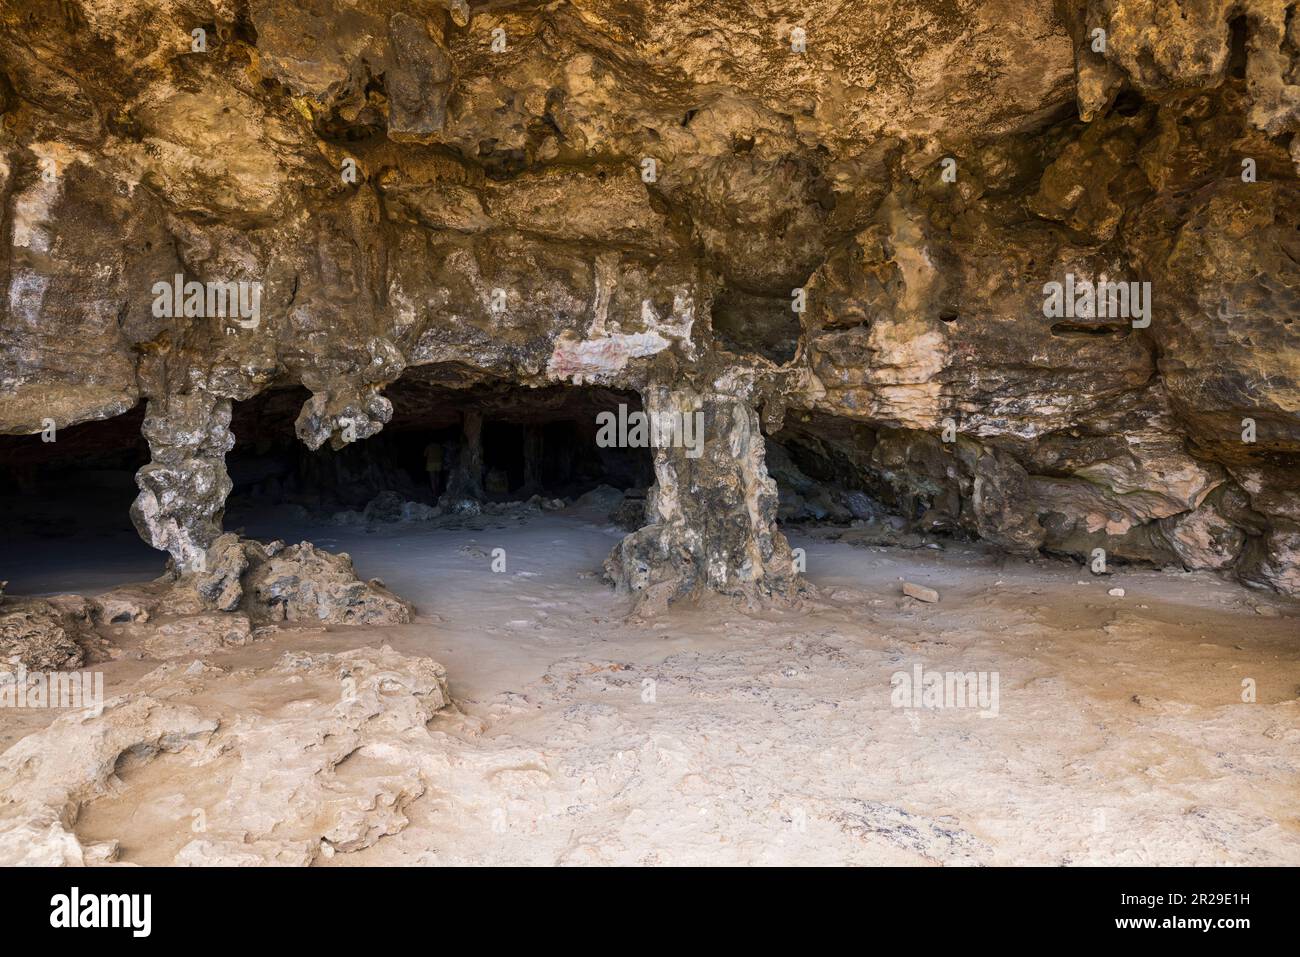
1116 593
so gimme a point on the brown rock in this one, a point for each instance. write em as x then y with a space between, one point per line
920 592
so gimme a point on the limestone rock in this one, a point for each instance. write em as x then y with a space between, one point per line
125 605
603 497
183 490
1203 538
302 583
220 582
198 635
857 226
272 582
35 634
688 544
46 776
920 592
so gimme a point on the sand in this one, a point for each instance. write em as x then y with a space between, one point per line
717 736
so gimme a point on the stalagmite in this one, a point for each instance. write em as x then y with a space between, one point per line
712 510
466 482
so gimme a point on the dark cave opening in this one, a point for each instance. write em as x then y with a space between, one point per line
823 471
66 496
849 481
533 444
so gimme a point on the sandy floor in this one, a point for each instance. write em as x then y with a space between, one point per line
719 737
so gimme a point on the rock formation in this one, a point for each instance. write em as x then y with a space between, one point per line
248 587
274 582
39 635
835 224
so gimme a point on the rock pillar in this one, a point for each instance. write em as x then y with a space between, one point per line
466 482
712 509
183 489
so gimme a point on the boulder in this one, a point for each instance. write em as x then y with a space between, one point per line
37 635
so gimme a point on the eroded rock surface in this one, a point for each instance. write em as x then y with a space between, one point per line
37 635
324 757
274 582
242 584
848 238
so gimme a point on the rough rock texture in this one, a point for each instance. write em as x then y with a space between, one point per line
37 635
198 635
243 584
301 583
281 759
712 517
629 194
183 489
47 775
273 582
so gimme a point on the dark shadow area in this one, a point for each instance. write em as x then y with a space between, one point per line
531 443
823 472
746 323
830 483
66 506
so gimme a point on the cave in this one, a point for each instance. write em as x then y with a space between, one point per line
67 496
468 433
499 444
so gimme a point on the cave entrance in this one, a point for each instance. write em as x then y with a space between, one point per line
828 477
66 498
455 444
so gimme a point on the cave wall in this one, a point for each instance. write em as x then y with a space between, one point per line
579 193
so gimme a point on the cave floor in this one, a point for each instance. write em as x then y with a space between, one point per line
716 736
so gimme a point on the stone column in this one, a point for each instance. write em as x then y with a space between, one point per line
466 482
534 450
183 489
712 510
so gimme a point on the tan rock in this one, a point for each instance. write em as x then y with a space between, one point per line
920 592
271 761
